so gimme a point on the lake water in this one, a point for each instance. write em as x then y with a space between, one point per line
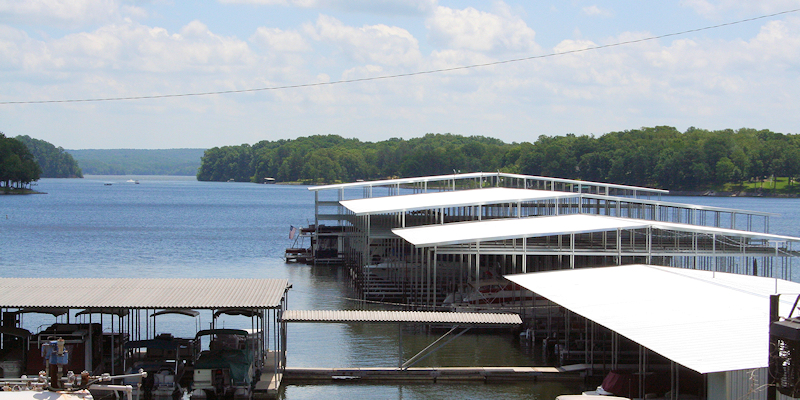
178 227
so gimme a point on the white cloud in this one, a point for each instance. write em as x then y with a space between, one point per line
719 8
690 80
379 44
134 47
280 40
387 7
596 11
59 12
475 30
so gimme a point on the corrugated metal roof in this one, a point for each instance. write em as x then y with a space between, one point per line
510 228
459 198
141 293
706 321
426 317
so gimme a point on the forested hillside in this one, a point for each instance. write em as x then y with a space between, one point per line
139 162
17 166
54 161
660 157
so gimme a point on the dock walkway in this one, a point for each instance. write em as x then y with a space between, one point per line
434 374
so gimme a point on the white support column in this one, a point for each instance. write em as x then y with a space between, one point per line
435 278
524 255
478 267
649 245
714 252
571 251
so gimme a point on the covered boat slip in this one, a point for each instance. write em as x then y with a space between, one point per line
369 216
126 309
464 251
456 195
715 324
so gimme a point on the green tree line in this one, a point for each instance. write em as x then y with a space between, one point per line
54 161
17 165
138 161
660 157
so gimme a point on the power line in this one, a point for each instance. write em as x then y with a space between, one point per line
428 72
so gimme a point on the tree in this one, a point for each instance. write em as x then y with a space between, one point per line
54 161
17 166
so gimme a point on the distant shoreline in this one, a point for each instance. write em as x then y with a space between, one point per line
712 193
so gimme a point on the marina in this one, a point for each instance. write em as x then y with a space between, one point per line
374 344
428 243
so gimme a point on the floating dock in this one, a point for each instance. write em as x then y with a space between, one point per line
434 374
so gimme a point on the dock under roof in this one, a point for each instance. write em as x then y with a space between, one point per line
459 198
704 320
134 293
424 317
510 228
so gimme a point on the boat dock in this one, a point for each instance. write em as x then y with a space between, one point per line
128 310
435 374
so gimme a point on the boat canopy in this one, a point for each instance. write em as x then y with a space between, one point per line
704 320
54 311
120 312
14 331
222 331
181 311
460 198
514 228
247 312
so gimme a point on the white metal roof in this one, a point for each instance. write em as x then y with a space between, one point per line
706 321
672 226
472 197
402 181
401 316
510 228
141 293
472 175
458 198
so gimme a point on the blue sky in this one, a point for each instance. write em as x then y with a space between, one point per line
744 75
